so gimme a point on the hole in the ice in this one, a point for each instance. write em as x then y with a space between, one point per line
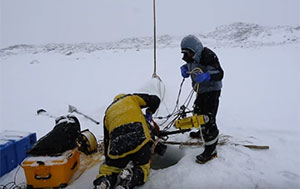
172 155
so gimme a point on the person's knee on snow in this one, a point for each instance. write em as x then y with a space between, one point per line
128 139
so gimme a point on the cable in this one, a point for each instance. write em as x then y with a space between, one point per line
154 39
176 111
188 99
181 112
15 177
179 92
13 184
162 93
176 107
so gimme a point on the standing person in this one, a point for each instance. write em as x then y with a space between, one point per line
127 141
203 66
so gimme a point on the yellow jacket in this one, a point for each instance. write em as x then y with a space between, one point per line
125 125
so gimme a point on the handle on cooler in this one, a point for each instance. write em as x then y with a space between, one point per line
42 177
75 164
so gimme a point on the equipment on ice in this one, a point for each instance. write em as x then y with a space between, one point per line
190 122
87 142
74 109
167 133
43 171
61 138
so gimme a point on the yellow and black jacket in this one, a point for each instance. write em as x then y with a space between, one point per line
125 128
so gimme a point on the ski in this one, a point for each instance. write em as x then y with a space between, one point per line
199 143
223 140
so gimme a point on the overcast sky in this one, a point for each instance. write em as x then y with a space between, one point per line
69 21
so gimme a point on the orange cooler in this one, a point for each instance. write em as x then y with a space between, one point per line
45 171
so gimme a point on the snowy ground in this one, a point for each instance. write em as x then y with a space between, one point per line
259 102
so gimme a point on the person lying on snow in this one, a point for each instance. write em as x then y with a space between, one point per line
127 141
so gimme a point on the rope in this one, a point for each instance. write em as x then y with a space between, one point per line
194 71
154 75
201 135
154 40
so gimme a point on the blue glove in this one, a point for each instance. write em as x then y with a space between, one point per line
148 116
203 77
184 70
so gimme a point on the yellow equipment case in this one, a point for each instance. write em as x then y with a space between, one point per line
46 171
193 121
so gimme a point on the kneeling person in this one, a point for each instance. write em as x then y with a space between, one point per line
127 141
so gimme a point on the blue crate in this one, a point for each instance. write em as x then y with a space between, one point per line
22 145
7 156
13 148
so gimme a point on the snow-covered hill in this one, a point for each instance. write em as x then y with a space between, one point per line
234 35
259 103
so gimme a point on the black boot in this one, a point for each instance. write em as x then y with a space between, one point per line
205 157
102 182
130 177
195 134
210 152
160 149
125 176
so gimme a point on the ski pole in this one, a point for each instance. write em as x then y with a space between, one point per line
74 109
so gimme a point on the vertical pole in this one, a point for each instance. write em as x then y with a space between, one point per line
154 39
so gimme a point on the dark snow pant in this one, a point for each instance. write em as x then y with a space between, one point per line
207 104
141 160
